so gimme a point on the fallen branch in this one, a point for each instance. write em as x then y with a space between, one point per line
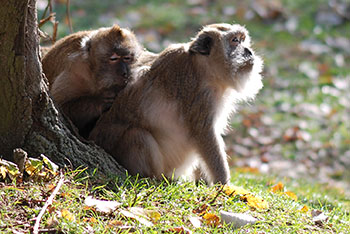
47 203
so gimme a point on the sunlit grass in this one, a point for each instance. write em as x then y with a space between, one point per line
175 201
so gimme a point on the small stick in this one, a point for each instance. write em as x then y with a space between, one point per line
49 18
68 16
218 193
49 6
54 35
47 203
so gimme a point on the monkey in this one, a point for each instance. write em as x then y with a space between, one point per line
44 50
171 120
87 69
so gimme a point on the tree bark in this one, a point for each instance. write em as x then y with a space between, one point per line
28 117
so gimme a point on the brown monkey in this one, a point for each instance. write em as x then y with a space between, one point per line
87 69
173 117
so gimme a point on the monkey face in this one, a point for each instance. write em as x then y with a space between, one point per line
111 53
114 68
227 48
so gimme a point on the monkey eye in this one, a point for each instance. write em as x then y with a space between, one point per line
235 41
127 58
114 57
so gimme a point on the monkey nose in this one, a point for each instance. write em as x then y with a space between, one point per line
125 74
247 53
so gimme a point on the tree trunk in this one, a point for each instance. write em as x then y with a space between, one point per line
28 118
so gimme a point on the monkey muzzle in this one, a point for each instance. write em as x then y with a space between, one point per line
243 58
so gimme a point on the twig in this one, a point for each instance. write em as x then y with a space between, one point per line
48 7
51 18
47 203
68 16
48 230
54 34
217 195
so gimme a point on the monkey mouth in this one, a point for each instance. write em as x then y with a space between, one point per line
246 65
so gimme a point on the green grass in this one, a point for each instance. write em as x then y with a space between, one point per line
174 201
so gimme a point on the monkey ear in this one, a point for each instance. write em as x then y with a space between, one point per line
202 44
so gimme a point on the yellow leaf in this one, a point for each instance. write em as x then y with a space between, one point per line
291 195
256 202
42 174
30 169
153 215
89 220
52 167
67 215
304 209
51 187
232 190
211 219
115 223
3 171
65 194
201 210
33 165
277 187
89 208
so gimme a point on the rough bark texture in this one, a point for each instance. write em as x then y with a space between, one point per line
15 105
28 118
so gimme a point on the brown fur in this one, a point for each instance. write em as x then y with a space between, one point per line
87 69
178 109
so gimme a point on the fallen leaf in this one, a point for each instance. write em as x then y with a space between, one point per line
246 196
232 190
278 187
9 168
211 219
201 210
67 215
304 209
90 220
318 217
51 187
291 195
195 221
102 205
237 219
140 219
255 202
52 166
51 209
114 223
3 171
33 166
152 214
